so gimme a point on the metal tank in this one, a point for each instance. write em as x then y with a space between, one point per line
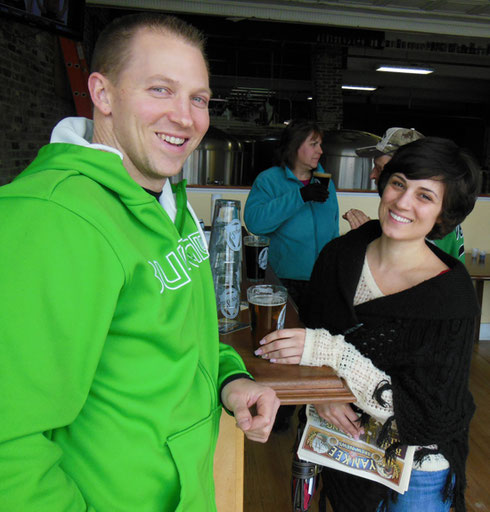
218 160
349 171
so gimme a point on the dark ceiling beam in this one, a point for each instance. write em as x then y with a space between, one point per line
324 12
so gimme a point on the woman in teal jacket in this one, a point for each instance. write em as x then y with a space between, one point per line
292 208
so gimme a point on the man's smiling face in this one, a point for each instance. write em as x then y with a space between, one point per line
159 106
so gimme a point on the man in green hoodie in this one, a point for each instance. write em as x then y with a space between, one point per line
112 374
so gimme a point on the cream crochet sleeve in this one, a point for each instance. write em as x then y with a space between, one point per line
321 348
363 378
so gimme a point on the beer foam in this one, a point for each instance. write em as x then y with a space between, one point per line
274 299
256 243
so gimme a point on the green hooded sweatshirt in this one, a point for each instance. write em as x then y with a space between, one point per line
110 363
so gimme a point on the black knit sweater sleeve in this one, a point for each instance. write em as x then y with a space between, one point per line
428 362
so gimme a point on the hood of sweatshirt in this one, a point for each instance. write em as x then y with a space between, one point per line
71 150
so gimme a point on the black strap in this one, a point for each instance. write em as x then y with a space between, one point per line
304 470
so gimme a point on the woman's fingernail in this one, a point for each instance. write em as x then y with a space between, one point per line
258 352
272 360
262 342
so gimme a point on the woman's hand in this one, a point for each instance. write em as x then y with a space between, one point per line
284 346
342 416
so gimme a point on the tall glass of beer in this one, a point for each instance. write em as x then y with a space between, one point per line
267 304
256 255
322 177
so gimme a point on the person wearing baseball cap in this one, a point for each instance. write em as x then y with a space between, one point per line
382 153
392 139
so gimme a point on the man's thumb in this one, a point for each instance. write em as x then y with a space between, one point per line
243 418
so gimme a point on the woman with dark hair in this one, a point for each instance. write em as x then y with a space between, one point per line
292 208
394 316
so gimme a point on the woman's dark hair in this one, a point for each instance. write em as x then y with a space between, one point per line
295 133
441 159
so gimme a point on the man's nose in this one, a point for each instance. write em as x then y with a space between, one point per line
374 174
181 112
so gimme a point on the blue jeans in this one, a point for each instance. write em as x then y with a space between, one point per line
424 493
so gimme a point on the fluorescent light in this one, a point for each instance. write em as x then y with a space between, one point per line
310 98
405 69
359 87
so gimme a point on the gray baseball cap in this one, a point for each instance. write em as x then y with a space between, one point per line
392 139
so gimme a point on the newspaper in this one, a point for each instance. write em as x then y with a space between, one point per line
326 445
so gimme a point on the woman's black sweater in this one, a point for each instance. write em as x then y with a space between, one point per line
421 337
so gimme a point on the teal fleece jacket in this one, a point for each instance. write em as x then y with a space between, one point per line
298 231
110 362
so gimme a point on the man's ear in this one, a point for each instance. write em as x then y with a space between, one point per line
99 85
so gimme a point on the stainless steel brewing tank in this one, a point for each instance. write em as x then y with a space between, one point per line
218 160
339 158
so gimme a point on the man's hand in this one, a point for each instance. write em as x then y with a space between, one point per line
240 395
355 218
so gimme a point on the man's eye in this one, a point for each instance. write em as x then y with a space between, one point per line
160 90
200 101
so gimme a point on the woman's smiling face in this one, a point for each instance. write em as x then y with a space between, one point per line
409 209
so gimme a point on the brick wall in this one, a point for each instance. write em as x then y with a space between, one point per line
34 94
327 85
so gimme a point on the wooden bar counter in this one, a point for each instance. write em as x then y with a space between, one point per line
293 384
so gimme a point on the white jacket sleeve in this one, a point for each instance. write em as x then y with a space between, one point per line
322 348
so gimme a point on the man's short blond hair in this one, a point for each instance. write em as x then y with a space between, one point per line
113 47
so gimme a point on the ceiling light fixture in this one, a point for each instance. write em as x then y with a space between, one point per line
405 69
359 87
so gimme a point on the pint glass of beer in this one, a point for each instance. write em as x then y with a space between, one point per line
267 304
256 254
322 177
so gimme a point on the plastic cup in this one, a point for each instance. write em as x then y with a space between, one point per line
322 177
256 255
